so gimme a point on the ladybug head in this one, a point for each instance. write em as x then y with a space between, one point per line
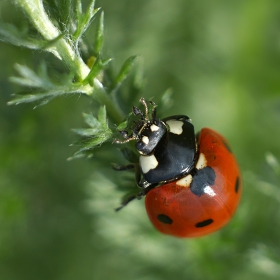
147 131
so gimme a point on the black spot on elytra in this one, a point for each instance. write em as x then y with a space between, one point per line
165 219
237 185
204 223
202 178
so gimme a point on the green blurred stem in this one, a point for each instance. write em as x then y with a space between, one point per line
36 13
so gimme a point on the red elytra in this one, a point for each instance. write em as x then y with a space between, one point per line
177 211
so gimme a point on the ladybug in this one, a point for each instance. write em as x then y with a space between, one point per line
191 182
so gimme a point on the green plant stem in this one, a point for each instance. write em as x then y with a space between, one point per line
36 13
113 110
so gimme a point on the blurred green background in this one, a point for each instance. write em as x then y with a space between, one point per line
222 61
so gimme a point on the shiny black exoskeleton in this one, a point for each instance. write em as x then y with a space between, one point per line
167 147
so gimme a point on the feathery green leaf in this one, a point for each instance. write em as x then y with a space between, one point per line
99 34
97 134
125 70
84 19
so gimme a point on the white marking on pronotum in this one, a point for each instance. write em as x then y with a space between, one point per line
147 163
176 127
145 140
202 162
154 127
185 181
208 190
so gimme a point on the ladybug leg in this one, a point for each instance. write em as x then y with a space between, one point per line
128 167
138 196
137 176
141 182
117 167
127 138
126 201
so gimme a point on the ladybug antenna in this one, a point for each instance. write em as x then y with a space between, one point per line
127 138
154 110
143 101
145 117
140 125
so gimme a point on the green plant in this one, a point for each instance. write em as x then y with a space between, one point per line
59 29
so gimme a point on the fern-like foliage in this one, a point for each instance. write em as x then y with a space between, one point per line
59 28
40 88
97 133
